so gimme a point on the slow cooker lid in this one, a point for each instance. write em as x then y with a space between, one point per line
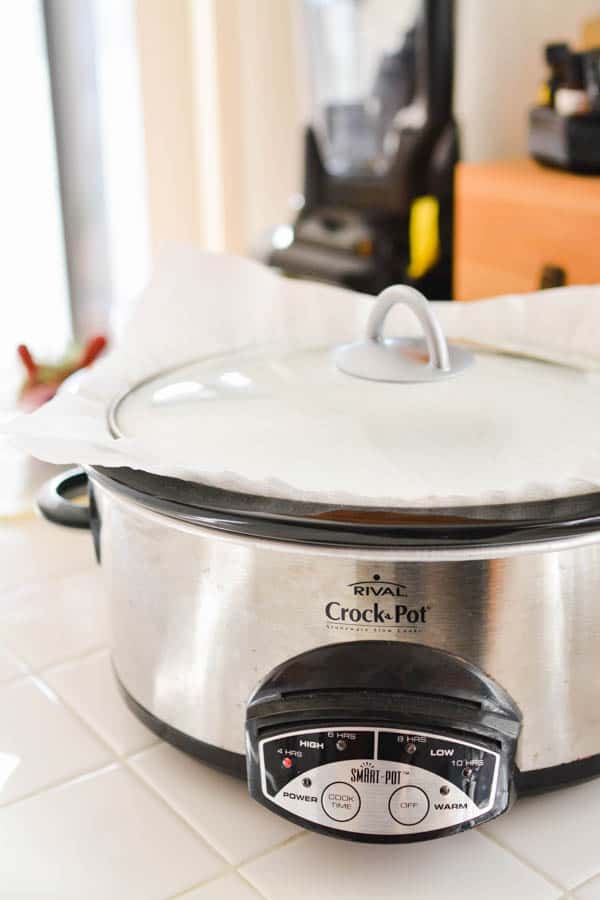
381 431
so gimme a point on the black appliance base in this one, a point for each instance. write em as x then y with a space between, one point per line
224 760
537 781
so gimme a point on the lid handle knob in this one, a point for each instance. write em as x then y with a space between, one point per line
434 336
407 360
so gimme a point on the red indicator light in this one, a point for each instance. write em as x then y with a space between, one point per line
286 762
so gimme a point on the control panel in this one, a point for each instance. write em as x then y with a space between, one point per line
381 741
379 781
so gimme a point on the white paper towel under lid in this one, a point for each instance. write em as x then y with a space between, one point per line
279 419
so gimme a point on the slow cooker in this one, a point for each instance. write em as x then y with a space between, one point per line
378 671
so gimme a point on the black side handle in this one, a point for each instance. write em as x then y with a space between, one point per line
53 504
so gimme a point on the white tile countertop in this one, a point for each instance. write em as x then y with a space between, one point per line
94 807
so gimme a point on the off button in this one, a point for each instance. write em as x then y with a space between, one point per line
340 801
409 805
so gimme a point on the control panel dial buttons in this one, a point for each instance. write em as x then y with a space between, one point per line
340 801
409 805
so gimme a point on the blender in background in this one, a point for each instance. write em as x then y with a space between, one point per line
380 148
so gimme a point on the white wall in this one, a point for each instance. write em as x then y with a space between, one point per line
165 62
248 117
499 65
35 302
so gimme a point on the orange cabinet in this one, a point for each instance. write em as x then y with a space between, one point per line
514 218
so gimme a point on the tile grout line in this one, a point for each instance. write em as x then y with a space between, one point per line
213 880
127 762
59 783
524 861
92 652
124 760
22 676
292 839
36 676
18 660
78 716
44 580
30 670
235 867
250 885
199 884
118 758
585 881
174 811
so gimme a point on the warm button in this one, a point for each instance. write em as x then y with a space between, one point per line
409 805
340 801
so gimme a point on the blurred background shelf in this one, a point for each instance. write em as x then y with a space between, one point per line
515 220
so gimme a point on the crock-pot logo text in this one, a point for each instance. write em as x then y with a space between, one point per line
377 603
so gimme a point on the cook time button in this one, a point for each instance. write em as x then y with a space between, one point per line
340 801
409 805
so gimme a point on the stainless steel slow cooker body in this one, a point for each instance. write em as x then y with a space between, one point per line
200 616
383 673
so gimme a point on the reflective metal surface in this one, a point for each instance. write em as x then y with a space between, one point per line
200 616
